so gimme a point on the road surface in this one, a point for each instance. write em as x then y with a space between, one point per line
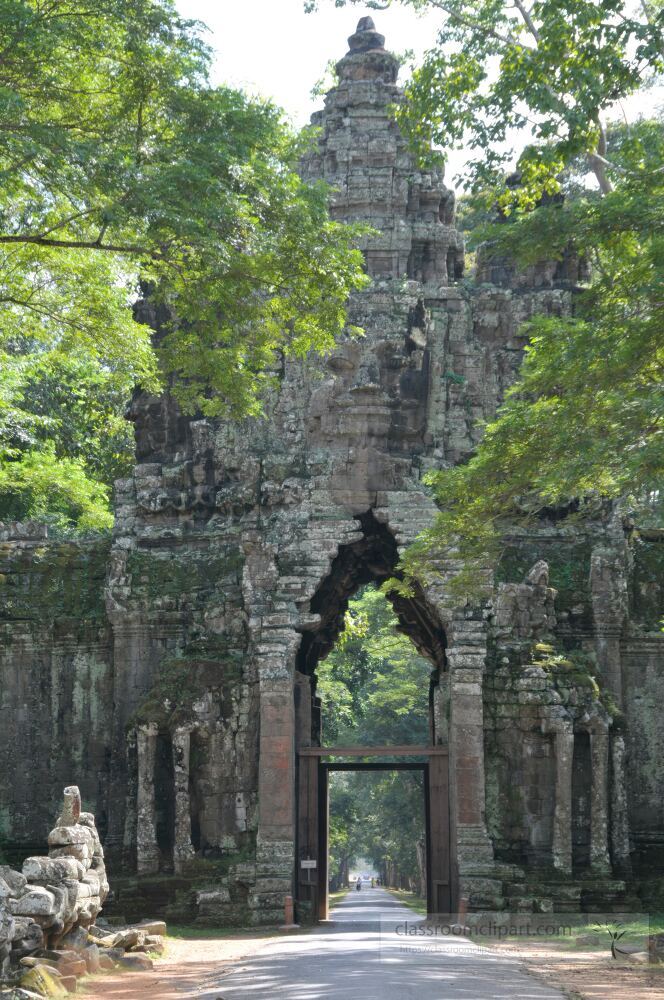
363 953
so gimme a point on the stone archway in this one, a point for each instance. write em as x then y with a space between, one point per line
371 558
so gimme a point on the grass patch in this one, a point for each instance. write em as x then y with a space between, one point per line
410 900
336 897
584 935
192 932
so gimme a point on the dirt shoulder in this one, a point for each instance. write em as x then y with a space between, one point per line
591 975
189 965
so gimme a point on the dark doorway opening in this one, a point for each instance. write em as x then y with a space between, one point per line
581 794
164 793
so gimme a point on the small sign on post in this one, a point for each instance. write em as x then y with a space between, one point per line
309 863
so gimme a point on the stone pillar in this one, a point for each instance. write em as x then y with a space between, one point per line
561 847
440 721
599 802
466 656
275 842
131 801
147 850
608 588
183 849
620 853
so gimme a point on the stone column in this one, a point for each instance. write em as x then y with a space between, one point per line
131 801
608 588
561 847
183 849
275 843
440 721
599 802
147 850
620 852
466 656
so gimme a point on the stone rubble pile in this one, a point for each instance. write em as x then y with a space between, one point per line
48 912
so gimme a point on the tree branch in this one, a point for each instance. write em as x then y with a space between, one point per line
470 22
532 28
76 244
598 164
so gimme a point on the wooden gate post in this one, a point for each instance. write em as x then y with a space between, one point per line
308 840
323 841
440 896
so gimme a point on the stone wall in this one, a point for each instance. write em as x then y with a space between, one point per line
167 667
642 654
55 680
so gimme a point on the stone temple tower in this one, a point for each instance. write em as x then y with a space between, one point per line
186 679
363 156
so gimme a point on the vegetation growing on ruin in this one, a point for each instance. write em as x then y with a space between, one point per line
181 680
576 671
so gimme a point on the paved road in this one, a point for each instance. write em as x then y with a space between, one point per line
363 954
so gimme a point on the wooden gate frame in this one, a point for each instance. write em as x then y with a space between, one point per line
313 819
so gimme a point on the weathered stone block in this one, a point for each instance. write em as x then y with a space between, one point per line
36 902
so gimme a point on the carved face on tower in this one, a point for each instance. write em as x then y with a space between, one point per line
373 406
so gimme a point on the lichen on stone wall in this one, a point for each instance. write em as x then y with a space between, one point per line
646 595
180 682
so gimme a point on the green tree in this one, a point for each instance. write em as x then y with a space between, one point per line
584 422
121 164
374 686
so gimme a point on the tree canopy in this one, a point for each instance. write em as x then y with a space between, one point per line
506 77
123 169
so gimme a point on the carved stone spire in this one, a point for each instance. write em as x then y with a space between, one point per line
363 156
366 37
367 58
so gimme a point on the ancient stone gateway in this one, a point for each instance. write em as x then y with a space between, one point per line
171 673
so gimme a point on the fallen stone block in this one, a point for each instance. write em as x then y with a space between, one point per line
152 927
76 968
636 957
106 962
74 940
79 851
90 955
136 961
107 941
60 955
656 947
18 993
16 882
32 961
155 943
91 879
65 836
43 982
128 938
115 954
28 937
